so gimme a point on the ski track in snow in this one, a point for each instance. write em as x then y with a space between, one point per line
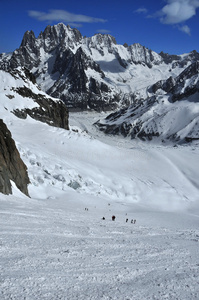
49 253
52 248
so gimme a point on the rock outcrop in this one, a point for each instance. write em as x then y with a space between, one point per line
12 167
54 113
43 107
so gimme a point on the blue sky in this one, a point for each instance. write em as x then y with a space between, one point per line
170 26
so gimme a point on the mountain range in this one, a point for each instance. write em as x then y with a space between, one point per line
93 72
153 96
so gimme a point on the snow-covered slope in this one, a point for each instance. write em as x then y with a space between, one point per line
79 144
53 248
55 245
92 72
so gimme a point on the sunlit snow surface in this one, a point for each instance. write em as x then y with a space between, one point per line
52 248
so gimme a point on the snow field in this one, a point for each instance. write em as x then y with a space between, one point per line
52 248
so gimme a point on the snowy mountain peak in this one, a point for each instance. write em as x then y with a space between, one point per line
103 40
141 54
29 37
58 35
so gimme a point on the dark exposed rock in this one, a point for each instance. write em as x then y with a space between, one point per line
180 90
168 58
53 113
11 165
121 61
125 128
72 68
165 85
30 76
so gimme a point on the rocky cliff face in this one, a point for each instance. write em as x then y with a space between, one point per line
48 110
11 165
93 72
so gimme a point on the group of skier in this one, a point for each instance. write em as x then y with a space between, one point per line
133 221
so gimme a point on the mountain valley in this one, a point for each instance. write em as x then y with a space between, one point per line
98 130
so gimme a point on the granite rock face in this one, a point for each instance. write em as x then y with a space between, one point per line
12 167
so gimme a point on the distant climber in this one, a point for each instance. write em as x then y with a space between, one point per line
113 218
133 221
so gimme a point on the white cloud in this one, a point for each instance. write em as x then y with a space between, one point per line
178 11
64 16
185 29
141 10
103 31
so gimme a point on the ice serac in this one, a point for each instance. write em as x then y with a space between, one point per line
12 167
